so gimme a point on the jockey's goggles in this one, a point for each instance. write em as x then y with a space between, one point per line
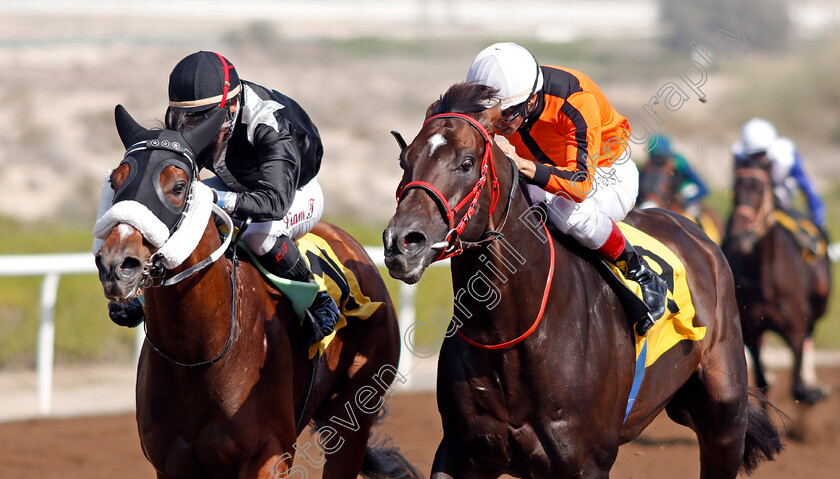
512 112
185 118
177 118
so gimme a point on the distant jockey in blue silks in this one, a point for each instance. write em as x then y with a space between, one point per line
759 136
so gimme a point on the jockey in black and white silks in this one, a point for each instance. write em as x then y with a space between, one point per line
265 159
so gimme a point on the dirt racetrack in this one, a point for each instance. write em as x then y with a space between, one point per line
108 446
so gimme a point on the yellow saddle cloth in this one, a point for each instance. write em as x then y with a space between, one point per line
678 322
330 274
805 232
339 281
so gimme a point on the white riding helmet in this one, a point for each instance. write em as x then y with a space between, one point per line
757 135
510 68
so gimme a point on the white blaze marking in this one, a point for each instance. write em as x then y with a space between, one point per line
124 230
436 142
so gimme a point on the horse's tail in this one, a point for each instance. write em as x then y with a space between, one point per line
763 440
383 459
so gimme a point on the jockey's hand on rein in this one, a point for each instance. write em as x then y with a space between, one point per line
225 199
526 168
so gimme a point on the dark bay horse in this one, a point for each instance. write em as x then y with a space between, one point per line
780 289
659 188
223 384
536 381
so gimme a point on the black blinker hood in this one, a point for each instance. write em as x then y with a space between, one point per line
148 152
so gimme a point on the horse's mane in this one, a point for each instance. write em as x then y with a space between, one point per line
466 97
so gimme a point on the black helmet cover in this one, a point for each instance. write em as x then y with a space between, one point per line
203 80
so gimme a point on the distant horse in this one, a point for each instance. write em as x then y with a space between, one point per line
779 288
536 381
224 385
659 188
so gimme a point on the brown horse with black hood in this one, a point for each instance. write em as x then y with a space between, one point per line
223 385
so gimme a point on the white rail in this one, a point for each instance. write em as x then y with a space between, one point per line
53 266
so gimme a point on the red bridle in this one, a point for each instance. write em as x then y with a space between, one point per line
470 201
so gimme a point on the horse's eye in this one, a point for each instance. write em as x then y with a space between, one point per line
178 188
468 163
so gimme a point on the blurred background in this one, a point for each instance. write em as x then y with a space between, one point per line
362 68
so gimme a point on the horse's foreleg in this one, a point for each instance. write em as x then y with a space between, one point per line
348 451
446 464
272 463
809 365
802 391
276 467
450 464
754 347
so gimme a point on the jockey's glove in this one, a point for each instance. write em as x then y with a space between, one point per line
225 199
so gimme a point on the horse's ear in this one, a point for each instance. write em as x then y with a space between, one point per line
490 116
400 140
127 127
205 132
430 109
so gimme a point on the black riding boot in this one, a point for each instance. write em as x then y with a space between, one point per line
284 260
129 314
654 289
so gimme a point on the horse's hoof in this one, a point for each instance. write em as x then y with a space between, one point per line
810 396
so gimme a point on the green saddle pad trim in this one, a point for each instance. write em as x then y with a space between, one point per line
300 294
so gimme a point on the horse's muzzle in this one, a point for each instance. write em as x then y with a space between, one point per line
743 243
120 275
407 253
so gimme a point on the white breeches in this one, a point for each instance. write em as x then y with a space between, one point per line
304 213
614 191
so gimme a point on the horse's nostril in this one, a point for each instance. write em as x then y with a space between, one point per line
130 267
413 240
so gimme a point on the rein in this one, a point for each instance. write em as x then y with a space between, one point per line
214 256
537 321
452 245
